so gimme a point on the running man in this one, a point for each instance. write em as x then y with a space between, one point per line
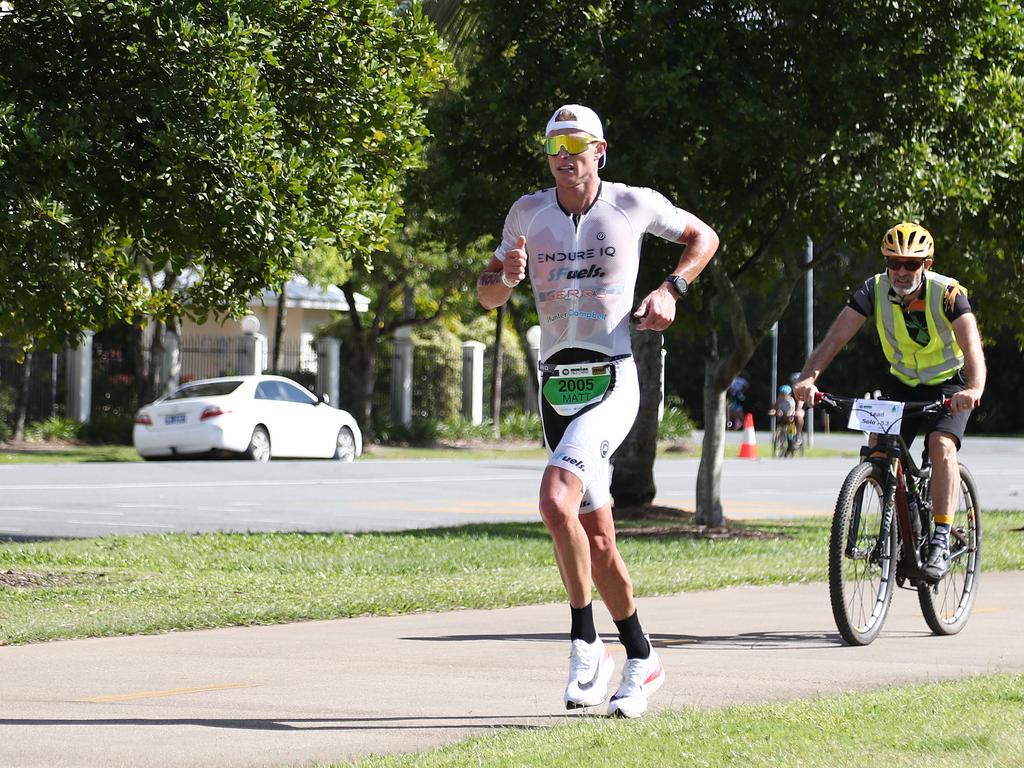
930 338
580 244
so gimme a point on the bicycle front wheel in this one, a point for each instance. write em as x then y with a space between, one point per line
947 605
779 444
861 565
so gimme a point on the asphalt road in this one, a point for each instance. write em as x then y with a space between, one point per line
59 500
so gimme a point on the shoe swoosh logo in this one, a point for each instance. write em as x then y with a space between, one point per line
590 683
653 675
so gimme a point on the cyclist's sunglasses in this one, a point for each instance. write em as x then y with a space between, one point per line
910 265
573 144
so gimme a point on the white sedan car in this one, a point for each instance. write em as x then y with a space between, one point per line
255 416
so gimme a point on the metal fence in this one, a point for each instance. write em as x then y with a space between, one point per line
119 370
437 382
46 388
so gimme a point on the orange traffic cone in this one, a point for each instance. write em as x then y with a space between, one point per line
749 448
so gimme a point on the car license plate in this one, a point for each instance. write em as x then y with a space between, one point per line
175 418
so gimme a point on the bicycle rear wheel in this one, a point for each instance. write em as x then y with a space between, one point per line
861 567
947 605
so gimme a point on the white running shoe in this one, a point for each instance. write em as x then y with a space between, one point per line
590 668
640 679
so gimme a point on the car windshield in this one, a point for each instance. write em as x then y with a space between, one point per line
208 389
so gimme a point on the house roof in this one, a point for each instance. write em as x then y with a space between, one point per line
299 293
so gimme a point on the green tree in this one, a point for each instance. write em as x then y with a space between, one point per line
773 120
230 139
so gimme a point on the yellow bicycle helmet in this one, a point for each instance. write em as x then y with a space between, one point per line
908 241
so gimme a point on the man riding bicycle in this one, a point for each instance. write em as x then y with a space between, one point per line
930 338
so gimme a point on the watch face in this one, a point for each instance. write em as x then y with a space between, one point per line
679 283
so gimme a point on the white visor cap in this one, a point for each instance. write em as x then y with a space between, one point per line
586 121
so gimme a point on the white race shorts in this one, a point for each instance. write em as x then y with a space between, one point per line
585 442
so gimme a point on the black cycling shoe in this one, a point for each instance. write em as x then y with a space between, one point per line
936 565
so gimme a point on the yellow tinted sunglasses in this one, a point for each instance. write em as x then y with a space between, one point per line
573 144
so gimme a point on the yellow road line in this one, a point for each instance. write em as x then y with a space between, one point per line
158 694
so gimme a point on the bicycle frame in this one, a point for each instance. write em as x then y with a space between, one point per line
904 505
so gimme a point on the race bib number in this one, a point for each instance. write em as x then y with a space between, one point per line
878 416
571 388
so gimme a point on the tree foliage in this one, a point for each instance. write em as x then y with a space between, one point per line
773 120
234 138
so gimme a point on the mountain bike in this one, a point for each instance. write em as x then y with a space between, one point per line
882 528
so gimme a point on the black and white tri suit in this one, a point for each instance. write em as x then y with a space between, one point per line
583 269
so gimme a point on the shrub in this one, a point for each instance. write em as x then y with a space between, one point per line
7 399
107 429
54 428
519 425
675 424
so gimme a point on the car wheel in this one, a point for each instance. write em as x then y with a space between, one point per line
259 445
346 447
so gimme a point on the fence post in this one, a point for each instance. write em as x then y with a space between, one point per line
401 377
253 347
328 368
79 384
532 359
473 381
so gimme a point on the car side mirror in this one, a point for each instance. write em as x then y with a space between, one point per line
324 398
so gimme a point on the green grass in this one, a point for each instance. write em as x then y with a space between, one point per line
74 453
976 722
142 584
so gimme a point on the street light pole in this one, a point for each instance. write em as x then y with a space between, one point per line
809 283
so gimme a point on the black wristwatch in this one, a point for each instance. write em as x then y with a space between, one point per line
679 283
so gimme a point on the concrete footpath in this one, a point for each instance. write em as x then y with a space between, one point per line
338 690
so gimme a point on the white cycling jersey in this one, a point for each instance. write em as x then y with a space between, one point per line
584 268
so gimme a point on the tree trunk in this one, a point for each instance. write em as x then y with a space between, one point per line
21 404
633 474
280 323
143 365
709 475
499 360
369 381
168 362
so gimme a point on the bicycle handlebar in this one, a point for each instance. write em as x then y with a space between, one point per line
835 401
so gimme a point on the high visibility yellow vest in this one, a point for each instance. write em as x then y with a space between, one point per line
911 363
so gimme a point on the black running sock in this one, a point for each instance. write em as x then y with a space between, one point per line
631 635
583 624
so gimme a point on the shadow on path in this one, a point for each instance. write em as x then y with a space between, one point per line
797 641
410 723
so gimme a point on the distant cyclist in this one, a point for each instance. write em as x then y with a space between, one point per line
580 244
930 338
785 405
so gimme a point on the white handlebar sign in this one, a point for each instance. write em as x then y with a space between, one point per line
879 416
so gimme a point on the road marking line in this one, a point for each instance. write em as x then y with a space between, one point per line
273 483
158 694
123 525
